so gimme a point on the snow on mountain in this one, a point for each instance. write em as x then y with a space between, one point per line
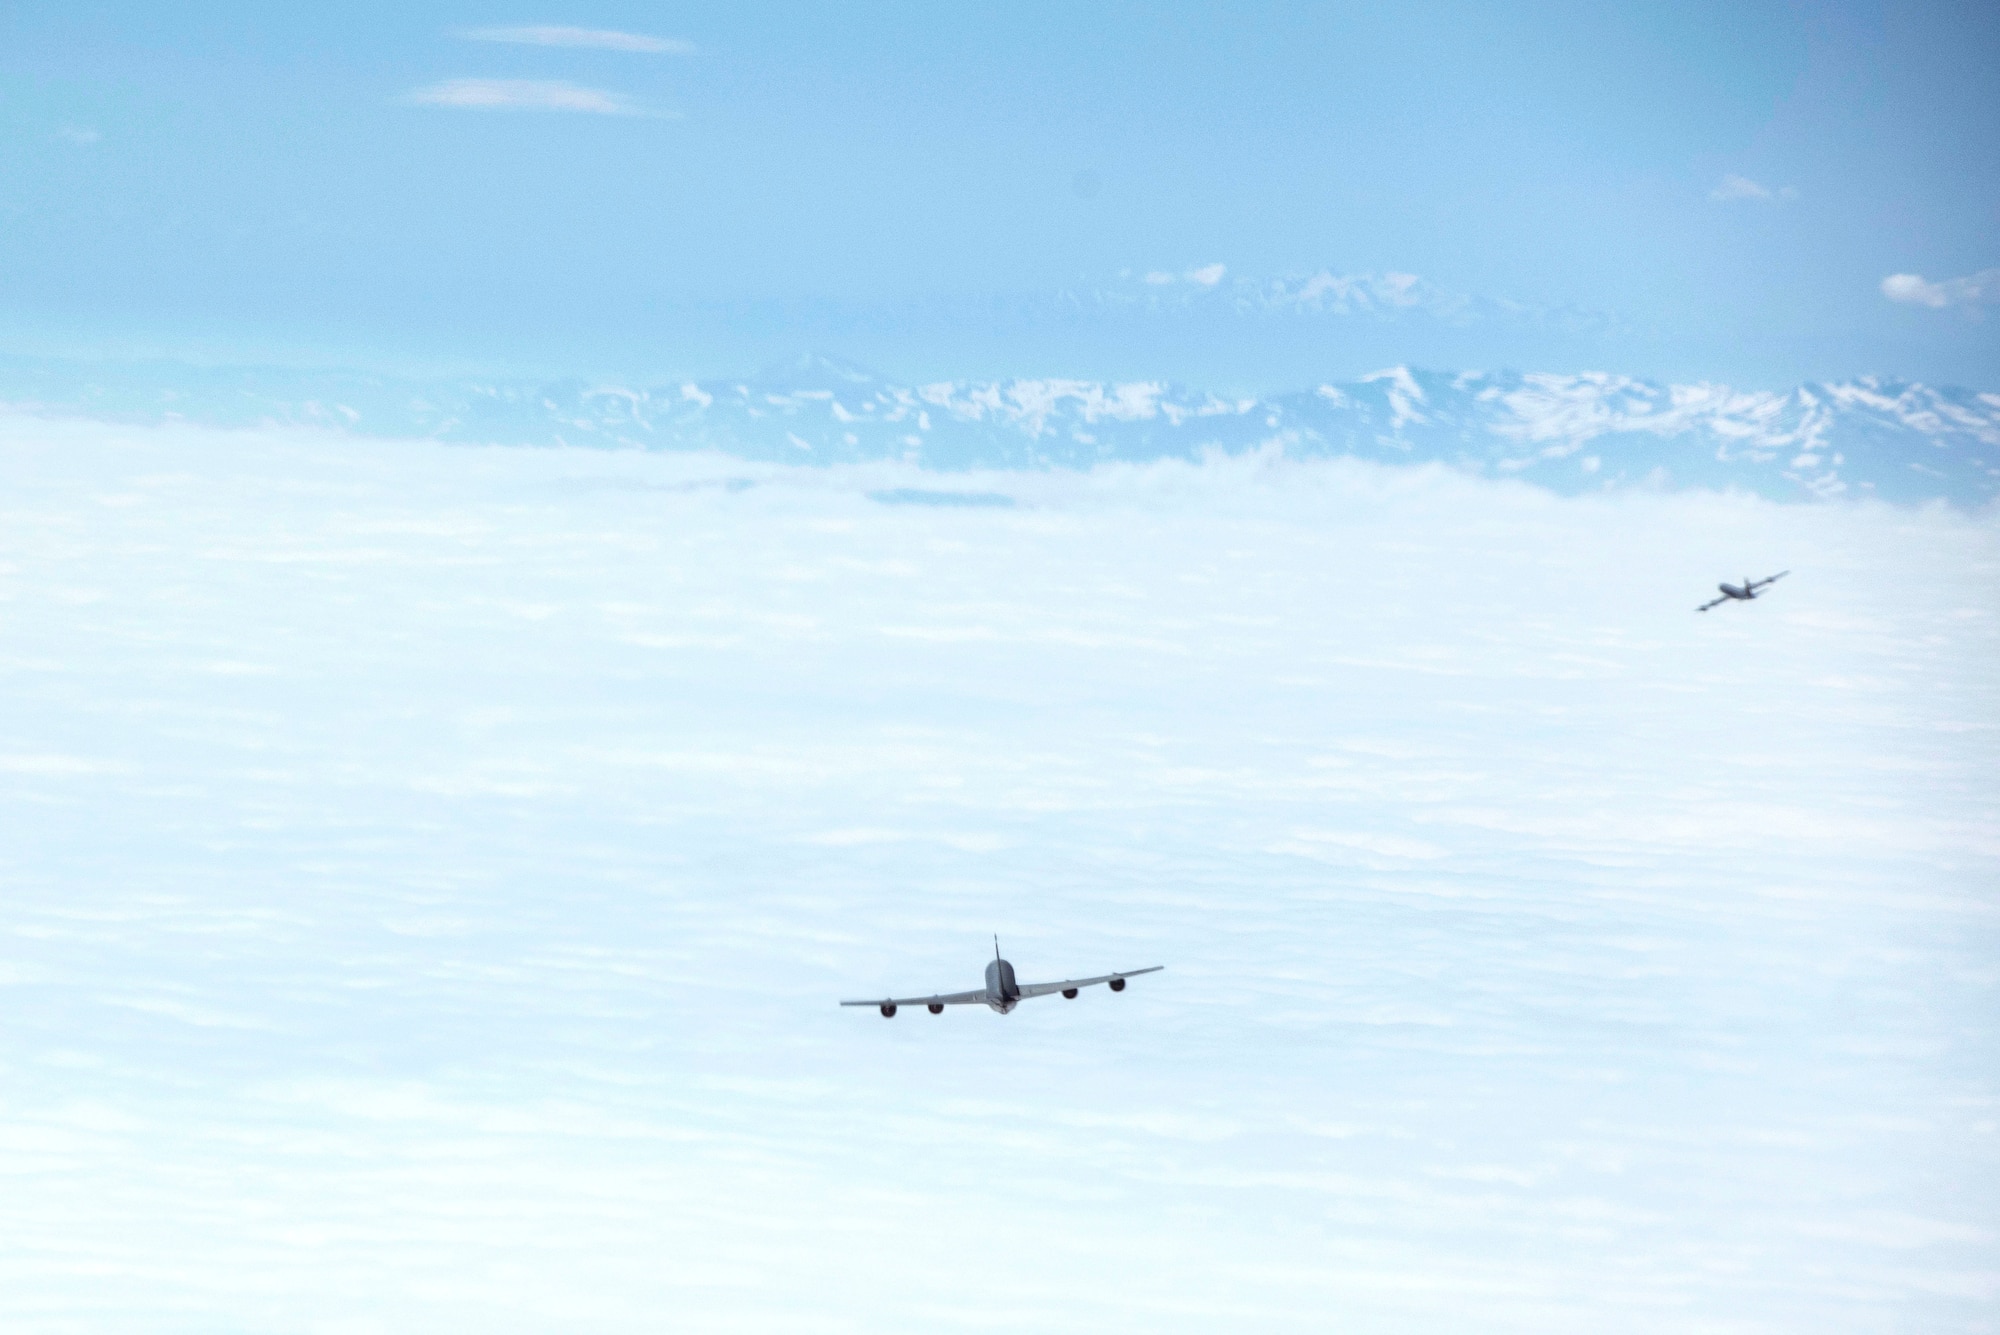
1571 433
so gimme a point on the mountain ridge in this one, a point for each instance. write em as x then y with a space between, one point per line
1870 436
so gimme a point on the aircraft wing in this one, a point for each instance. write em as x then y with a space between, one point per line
941 999
1760 583
1043 989
1713 602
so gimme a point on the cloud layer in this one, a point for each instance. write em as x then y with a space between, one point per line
438 866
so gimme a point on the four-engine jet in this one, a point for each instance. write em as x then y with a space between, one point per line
1741 593
1001 992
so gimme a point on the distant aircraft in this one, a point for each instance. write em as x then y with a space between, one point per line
1743 593
1001 992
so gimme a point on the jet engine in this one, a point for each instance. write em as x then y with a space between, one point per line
936 1008
1118 985
887 1010
1070 993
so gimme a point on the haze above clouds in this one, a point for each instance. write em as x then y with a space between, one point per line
434 868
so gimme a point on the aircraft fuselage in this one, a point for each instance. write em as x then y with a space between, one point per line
1002 992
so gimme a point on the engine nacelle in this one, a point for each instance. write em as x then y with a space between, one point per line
937 1008
1070 992
1118 985
887 1010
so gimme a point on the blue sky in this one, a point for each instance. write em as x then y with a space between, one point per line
1713 191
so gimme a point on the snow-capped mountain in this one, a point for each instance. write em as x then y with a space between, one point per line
1571 433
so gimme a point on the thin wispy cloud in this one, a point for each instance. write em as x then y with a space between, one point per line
529 95
78 134
1324 291
1207 275
600 39
1742 187
1343 292
1912 289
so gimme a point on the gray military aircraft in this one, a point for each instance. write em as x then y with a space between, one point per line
1001 992
1742 593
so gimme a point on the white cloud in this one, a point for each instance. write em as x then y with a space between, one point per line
1742 187
78 134
1912 289
527 95
601 39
